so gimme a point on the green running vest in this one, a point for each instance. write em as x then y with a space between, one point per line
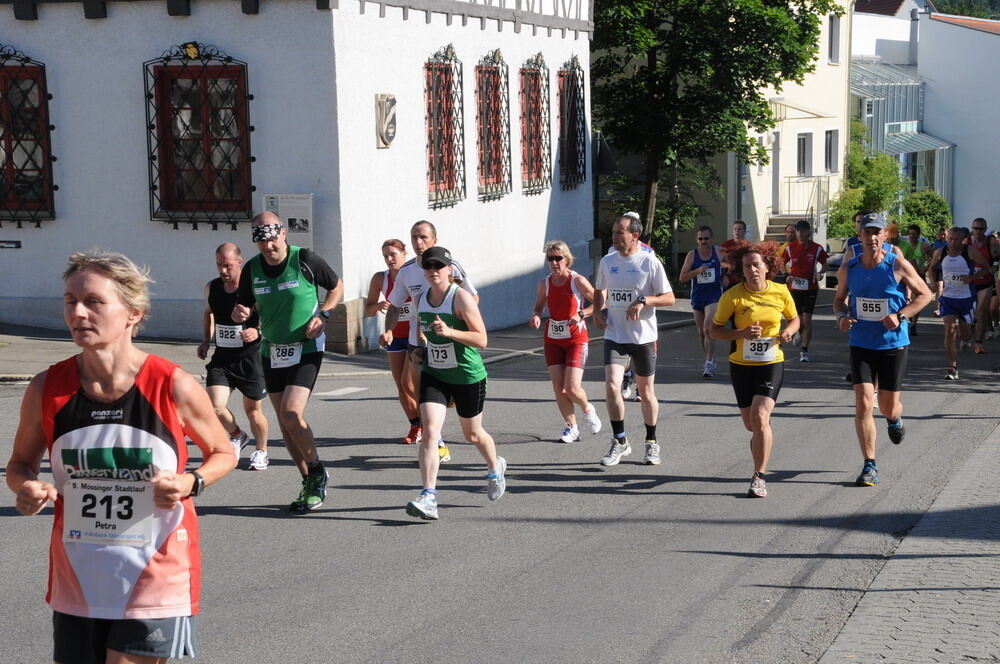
286 303
447 359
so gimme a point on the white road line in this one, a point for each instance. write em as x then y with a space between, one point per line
341 392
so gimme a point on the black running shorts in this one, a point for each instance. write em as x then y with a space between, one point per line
469 399
805 300
79 640
750 380
302 374
885 368
643 356
245 374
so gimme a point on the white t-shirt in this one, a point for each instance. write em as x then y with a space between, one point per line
625 278
411 282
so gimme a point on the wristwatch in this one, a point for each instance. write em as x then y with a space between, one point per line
901 316
199 484
324 314
641 299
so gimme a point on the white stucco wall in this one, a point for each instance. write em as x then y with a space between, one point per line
885 36
94 70
962 93
383 192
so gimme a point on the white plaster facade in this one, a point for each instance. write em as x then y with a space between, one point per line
314 75
962 94
888 37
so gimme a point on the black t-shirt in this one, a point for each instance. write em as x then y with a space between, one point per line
221 304
315 269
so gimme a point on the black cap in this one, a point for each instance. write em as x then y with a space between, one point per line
435 254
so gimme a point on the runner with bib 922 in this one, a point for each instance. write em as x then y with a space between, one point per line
124 559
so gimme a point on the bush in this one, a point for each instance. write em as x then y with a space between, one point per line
840 219
928 209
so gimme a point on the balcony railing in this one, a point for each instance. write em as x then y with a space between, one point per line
807 195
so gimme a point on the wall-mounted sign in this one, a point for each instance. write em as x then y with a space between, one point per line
10 244
296 213
385 120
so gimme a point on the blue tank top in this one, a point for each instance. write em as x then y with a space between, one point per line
874 294
708 289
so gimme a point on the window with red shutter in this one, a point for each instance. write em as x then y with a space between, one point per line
445 129
572 126
26 188
199 136
493 126
536 155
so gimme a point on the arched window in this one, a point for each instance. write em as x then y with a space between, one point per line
572 126
26 188
493 126
197 110
536 142
445 128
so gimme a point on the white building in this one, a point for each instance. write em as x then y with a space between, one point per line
887 29
957 57
171 120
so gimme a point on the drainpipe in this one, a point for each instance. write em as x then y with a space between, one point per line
914 33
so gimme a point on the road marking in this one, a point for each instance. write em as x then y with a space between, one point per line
341 392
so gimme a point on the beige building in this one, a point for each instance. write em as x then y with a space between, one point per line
807 147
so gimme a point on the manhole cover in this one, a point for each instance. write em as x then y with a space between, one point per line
505 438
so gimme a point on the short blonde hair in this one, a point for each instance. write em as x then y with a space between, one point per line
561 247
131 281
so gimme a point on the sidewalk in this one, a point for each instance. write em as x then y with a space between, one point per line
26 351
936 598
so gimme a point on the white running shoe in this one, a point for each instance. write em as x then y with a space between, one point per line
618 449
444 454
652 453
803 356
424 507
496 483
239 441
570 435
709 369
628 385
593 421
259 460
758 487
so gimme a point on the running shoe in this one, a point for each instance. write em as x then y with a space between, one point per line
990 335
868 476
628 385
570 435
259 460
709 369
239 441
444 455
803 356
758 487
952 373
896 433
593 421
652 453
315 490
413 436
496 483
299 504
618 449
979 348
424 507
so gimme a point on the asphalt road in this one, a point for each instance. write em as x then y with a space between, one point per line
577 563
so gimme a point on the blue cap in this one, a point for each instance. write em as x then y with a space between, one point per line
873 220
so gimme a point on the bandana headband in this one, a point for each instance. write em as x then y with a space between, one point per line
265 232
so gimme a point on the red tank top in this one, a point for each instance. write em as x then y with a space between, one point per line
984 251
402 329
112 554
564 302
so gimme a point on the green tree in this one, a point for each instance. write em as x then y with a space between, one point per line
680 81
928 209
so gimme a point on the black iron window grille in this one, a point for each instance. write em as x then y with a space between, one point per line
445 129
536 140
26 188
493 126
572 126
198 121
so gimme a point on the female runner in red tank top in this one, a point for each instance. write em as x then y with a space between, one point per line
124 557
988 249
394 254
566 293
